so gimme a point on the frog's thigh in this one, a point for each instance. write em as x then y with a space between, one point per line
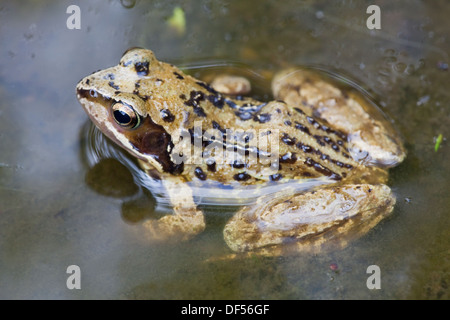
185 222
348 111
311 219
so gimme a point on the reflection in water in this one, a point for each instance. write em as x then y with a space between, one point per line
114 174
110 178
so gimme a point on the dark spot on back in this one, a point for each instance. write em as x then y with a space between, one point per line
217 100
319 140
276 177
288 140
178 76
166 115
288 158
199 173
238 164
141 68
313 122
112 85
195 98
199 111
177 169
218 127
231 104
207 87
323 170
304 147
194 101
299 110
262 118
243 115
211 165
302 128
243 176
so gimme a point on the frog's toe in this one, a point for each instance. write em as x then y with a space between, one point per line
385 150
308 221
175 227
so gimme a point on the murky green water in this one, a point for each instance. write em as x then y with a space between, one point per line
56 210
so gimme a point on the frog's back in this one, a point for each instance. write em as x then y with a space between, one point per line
191 130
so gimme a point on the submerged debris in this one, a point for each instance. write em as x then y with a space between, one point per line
438 142
442 66
178 21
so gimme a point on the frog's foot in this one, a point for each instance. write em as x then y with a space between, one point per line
308 221
185 222
371 138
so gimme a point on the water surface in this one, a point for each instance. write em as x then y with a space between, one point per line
57 209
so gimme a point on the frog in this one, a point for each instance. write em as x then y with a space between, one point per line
324 177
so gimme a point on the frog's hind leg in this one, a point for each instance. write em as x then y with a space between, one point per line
309 221
185 222
371 137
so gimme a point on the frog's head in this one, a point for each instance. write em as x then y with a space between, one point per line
114 100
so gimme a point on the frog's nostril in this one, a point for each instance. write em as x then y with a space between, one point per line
93 93
83 93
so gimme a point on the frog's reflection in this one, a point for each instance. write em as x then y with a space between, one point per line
113 174
110 178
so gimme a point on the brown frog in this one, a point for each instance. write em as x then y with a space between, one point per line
315 159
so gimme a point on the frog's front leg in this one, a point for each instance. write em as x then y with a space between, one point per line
185 222
307 221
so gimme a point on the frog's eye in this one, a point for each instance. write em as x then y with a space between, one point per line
125 116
